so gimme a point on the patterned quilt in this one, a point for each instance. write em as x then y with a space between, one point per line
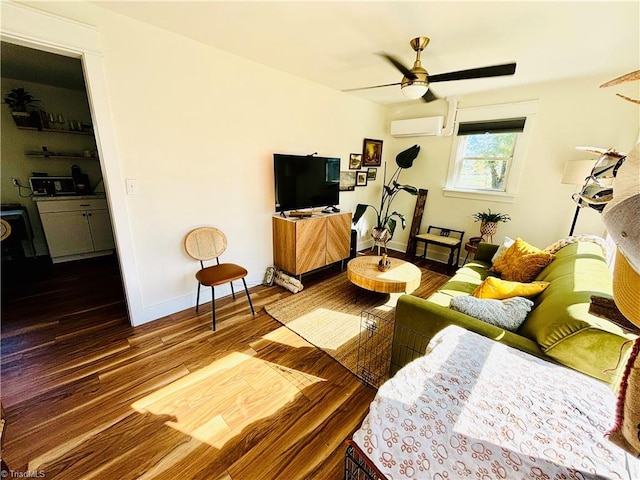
472 408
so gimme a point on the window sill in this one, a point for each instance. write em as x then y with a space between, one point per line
480 195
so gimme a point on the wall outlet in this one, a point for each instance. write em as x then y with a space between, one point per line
15 181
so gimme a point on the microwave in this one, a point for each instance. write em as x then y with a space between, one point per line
52 186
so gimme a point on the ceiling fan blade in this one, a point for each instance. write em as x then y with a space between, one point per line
369 88
396 63
493 71
429 97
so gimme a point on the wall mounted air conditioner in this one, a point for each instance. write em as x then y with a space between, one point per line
417 127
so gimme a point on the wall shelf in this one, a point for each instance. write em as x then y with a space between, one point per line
60 156
54 130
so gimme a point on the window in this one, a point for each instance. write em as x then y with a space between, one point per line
487 154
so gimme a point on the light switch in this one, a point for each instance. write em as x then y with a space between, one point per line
132 186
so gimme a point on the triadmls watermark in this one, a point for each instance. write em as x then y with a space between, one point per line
22 474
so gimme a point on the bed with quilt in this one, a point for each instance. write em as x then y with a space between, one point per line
473 408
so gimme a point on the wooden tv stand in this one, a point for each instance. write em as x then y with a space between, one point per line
304 244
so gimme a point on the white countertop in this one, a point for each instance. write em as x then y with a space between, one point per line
45 198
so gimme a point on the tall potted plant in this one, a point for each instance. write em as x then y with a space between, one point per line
386 219
19 102
489 222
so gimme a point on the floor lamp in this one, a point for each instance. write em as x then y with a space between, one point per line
576 173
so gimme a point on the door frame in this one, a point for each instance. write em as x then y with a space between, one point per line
29 27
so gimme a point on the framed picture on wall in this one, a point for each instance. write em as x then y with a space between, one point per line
371 153
355 161
347 181
372 173
361 178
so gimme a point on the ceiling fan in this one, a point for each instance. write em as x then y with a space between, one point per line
416 80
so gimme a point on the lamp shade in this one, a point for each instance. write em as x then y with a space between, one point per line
577 171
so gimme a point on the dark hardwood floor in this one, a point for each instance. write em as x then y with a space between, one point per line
88 396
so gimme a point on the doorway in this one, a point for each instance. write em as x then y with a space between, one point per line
56 34
63 133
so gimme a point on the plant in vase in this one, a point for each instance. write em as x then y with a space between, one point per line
387 220
19 101
489 222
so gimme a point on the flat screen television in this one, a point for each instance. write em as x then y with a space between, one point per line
305 181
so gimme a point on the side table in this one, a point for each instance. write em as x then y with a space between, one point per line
470 248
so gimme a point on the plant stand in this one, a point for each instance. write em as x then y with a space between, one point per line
488 229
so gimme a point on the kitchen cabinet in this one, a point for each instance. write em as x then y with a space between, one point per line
304 244
76 229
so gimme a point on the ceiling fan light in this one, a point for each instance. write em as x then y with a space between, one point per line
414 90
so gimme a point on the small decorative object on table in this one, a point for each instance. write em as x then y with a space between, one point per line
384 264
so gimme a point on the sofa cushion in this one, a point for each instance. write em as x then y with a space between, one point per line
508 314
465 281
496 288
561 323
521 262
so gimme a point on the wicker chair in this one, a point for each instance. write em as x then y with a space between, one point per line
208 243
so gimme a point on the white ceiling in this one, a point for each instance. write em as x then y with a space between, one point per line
334 43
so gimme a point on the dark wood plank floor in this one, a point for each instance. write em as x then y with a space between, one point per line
88 396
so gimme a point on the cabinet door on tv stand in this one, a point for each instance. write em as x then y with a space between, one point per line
311 244
338 237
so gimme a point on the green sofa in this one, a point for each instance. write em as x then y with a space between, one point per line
559 328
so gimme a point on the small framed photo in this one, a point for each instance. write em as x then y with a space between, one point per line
361 178
355 161
371 174
371 153
347 181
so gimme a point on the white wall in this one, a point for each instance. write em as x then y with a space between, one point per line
197 128
572 112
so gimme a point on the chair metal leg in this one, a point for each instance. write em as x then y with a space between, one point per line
213 308
246 290
233 294
198 298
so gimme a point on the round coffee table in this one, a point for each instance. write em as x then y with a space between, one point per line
402 277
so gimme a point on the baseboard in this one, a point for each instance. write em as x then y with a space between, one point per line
184 302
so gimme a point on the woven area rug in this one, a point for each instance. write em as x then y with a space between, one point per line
332 315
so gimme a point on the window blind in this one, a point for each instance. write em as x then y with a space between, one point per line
492 126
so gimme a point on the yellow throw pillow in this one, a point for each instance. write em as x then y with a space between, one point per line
493 287
521 262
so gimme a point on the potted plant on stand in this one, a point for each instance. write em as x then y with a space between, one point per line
19 102
387 220
489 222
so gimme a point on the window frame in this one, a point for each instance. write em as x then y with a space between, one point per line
527 110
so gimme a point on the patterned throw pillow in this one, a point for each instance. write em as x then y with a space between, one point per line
508 314
496 288
626 432
521 262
